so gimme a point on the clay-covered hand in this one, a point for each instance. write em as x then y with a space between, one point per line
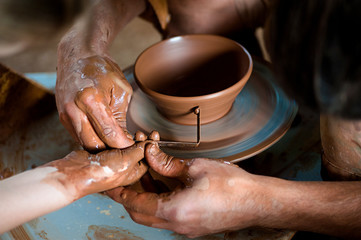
82 173
92 96
216 196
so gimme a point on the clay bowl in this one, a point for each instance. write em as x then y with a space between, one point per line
181 73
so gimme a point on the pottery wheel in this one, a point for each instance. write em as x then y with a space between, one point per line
260 116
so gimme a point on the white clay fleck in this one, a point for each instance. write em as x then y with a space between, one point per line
231 182
108 170
94 163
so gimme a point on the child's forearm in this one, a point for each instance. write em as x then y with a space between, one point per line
29 195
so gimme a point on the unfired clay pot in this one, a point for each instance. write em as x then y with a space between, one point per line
181 73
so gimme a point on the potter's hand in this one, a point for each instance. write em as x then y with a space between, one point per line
218 196
92 96
83 173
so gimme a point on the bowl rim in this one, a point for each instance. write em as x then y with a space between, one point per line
158 95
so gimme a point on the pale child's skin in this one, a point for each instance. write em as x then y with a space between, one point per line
27 195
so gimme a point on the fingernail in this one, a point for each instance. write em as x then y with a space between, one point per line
123 195
154 135
154 149
140 136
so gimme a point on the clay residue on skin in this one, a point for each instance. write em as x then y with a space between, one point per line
83 173
104 101
172 167
80 172
96 68
209 177
97 108
231 182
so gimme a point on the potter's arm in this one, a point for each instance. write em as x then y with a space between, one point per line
95 32
222 197
92 93
332 208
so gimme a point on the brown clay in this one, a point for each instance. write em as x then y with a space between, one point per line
92 102
183 72
84 173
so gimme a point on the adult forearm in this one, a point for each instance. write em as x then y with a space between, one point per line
29 195
332 208
94 33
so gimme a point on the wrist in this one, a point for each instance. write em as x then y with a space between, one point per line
70 51
254 199
31 194
77 44
271 197
298 205
63 181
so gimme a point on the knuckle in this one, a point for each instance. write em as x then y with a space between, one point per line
184 215
178 216
109 133
86 96
69 108
136 218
